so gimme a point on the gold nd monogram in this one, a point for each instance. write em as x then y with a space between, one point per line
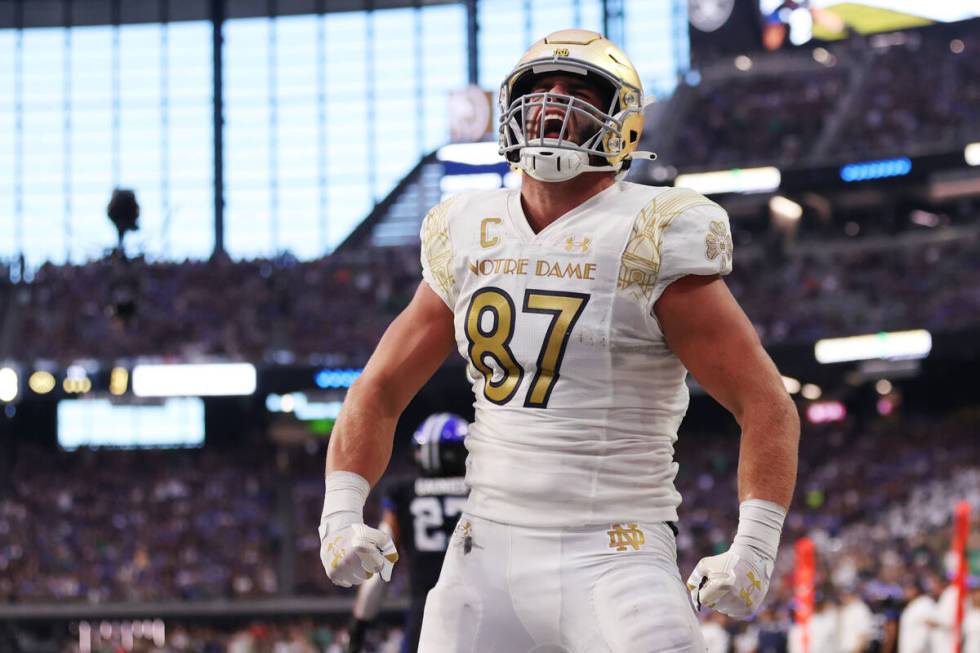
486 240
620 538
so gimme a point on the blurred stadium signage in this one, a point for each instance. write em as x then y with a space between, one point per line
737 180
194 380
300 405
894 345
337 378
103 423
823 412
876 169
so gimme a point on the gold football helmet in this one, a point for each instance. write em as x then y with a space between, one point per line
588 137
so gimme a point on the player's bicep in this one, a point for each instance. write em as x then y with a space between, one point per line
412 348
708 331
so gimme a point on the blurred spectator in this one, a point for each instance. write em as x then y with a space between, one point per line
716 638
856 622
915 626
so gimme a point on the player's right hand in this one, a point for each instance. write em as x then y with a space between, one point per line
353 553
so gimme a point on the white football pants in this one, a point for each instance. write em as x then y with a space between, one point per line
600 589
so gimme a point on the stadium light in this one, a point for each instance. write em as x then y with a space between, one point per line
191 380
41 382
9 384
785 208
792 385
972 154
895 345
118 381
737 180
811 391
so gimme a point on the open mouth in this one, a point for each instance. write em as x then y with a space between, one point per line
551 127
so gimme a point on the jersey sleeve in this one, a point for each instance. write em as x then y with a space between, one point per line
695 239
437 253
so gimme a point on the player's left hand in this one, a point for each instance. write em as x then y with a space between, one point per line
733 583
354 553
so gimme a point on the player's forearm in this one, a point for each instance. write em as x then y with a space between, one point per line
362 437
768 453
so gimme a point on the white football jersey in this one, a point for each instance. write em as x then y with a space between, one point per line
578 398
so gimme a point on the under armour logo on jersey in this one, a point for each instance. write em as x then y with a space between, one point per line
620 538
572 244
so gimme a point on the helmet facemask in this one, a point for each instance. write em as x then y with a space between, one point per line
587 138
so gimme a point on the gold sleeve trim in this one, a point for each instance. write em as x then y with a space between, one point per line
437 249
640 264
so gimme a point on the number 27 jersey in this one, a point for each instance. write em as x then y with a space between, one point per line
578 397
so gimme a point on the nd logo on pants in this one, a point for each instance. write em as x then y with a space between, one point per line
598 589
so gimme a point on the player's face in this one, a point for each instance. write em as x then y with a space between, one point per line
579 127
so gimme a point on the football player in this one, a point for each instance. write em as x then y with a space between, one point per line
420 514
580 303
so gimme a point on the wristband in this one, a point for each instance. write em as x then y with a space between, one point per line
760 524
343 501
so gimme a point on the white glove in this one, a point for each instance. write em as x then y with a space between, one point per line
736 582
350 551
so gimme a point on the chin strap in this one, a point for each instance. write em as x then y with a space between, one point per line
552 164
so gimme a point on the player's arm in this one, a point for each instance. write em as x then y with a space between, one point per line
411 350
707 330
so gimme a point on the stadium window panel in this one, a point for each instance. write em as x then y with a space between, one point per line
8 147
140 126
93 140
298 226
348 192
187 229
248 138
443 46
297 177
502 39
551 15
396 148
45 230
187 187
651 38
589 15
350 201
251 236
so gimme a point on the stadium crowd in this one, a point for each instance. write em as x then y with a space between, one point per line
333 310
103 525
920 96
754 121
915 94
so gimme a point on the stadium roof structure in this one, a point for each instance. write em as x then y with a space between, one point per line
63 13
